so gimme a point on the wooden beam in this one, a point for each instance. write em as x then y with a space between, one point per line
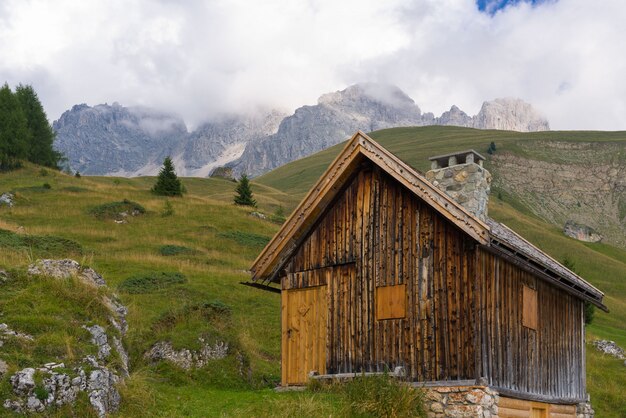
261 286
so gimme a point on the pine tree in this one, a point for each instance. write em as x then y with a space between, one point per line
41 134
244 192
14 134
168 184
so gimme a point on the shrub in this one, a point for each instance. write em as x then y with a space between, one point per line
169 250
77 174
383 396
589 312
75 189
46 186
168 209
42 245
278 216
150 282
114 210
246 238
43 172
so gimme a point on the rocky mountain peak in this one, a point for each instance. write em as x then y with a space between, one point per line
510 114
132 141
368 93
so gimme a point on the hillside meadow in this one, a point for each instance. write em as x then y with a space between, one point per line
207 244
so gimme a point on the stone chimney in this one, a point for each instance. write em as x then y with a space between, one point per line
462 176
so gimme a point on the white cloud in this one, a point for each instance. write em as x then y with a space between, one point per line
199 58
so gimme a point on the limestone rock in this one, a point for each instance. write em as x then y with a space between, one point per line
99 339
64 269
121 351
581 232
5 331
103 394
7 199
223 173
610 348
23 382
185 358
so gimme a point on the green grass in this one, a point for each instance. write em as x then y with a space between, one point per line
150 282
225 240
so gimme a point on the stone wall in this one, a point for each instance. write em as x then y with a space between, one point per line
469 184
462 402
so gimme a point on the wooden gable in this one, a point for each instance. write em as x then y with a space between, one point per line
359 149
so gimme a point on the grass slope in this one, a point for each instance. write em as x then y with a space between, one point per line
221 241
415 145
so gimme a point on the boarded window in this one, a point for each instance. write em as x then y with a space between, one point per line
391 302
529 312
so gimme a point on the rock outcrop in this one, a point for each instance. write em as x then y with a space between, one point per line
64 269
581 232
185 358
95 375
610 348
7 199
559 181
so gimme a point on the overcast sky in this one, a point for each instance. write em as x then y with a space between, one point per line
200 58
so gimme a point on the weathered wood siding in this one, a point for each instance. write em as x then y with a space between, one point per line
376 233
548 361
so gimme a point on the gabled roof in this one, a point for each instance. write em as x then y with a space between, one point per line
491 234
507 242
360 146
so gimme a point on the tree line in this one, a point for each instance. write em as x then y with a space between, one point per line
25 133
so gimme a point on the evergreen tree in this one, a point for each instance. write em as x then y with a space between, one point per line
41 134
244 192
14 134
168 184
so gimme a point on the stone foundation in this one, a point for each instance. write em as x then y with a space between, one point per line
462 402
484 402
584 410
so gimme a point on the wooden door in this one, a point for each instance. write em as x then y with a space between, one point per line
304 317
538 413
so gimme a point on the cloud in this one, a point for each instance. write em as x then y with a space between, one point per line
204 58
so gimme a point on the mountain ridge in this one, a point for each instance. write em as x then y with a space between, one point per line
132 141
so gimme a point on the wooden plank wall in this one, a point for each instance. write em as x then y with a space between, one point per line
548 361
383 235
517 408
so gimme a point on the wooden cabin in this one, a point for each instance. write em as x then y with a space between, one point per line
382 270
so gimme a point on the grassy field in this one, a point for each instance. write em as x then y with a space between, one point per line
219 241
